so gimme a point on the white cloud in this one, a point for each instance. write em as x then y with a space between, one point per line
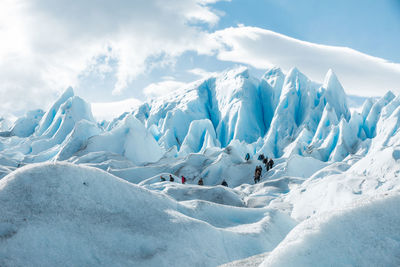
46 44
359 73
110 110
167 78
202 73
162 88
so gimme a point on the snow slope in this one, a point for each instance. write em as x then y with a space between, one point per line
64 214
367 234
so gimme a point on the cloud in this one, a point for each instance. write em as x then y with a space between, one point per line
110 110
202 73
46 44
162 88
359 73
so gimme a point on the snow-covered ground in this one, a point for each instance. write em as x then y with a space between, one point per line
64 214
78 191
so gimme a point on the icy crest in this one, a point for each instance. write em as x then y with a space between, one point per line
279 115
277 108
335 95
48 118
129 139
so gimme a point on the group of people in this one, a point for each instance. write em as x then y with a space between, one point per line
183 179
171 179
268 165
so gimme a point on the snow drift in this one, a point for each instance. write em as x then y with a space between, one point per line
367 234
64 214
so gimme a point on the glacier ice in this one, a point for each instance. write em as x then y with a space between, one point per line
129 139
201 135
278 115
327 159
25 126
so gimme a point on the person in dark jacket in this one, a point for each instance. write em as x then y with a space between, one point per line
171 179
162 179
266 163
183 179
271 164
261 157
224 183
247 157
200 182
257 174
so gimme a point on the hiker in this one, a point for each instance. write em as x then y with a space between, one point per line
171 179
200 182
257 174
162 179
271 163
261 157
183 179
247 157
266 163
224 183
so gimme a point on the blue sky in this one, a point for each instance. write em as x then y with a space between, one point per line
113 50
369 26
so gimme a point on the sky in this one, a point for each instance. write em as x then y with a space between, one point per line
122 49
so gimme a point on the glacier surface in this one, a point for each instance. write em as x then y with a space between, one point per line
72 185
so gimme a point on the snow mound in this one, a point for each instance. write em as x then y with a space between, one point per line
215 194
367 234
304 167
50 212
129 139
331 189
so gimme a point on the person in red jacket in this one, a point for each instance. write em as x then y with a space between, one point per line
183 179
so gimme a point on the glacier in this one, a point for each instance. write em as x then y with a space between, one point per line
73 185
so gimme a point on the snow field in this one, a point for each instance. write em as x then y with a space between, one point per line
54 210
367 234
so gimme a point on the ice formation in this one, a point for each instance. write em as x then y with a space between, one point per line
94 189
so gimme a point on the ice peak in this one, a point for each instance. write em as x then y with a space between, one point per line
335 95
49 116
389 96
241 71
293 71
274 71
69 91
294 76
331 81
